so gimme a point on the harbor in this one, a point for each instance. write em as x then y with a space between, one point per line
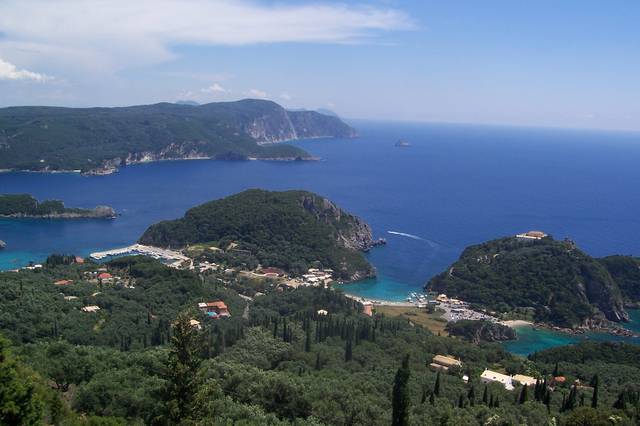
170 257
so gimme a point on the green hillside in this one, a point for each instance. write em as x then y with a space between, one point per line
559 283
291 230
138 360
92 139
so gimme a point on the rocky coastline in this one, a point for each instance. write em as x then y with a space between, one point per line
99 212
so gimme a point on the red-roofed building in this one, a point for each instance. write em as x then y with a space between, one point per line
271 271
217 309
79 259
104 276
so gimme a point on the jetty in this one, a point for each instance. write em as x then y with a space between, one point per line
168 256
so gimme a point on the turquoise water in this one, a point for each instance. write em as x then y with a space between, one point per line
531 340
456 185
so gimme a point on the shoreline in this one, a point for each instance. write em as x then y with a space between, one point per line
111 170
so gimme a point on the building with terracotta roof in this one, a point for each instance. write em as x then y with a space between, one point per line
63 282
216 309
532 235
443 363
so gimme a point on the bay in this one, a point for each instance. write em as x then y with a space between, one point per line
454 186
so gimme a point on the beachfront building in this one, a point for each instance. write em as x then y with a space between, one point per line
489 376
524 380
367 308
444 363
532 235
216 310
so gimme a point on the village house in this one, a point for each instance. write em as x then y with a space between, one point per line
195 324
524 380
105 278
444 363
68 298
367 308
532 235
63 282
90 308
216 310
489 376
322 312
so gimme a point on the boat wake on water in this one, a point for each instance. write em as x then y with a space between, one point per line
404 234
433 244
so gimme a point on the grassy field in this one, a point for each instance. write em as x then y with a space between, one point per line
432 321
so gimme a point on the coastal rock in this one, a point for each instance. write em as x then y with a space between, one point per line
481 331
2 244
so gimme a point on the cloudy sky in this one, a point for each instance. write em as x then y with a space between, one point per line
542 63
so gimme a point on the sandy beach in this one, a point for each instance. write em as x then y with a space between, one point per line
517 323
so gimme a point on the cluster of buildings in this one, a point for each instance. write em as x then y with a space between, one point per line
318 277
532 235
508 382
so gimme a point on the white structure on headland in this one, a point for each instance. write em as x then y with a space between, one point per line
532 235
489 376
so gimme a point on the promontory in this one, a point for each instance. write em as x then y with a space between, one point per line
532 276
292 230
26 206
100 140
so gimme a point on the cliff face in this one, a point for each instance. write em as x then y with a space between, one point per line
273 124
351 231
559 283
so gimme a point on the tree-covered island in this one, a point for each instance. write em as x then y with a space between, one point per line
26 206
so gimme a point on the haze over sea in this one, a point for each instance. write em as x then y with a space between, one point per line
455 185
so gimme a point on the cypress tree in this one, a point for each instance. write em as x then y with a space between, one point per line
307 341
491 402
485 395
556 371
348 351
432 398
182 370
401 399
594 398
461 401
318 364
436 386
471 395
523 395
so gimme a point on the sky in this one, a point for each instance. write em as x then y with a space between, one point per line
572 63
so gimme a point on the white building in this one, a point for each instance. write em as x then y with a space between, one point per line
489 376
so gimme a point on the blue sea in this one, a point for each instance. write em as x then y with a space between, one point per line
455 185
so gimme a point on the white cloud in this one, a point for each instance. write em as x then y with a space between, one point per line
215 88
285 96
8 71
109 35
256 93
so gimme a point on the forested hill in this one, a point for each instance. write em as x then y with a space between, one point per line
550 281
100 140
143 354
25 205
291 230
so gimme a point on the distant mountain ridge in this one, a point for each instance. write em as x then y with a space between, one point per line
100 140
